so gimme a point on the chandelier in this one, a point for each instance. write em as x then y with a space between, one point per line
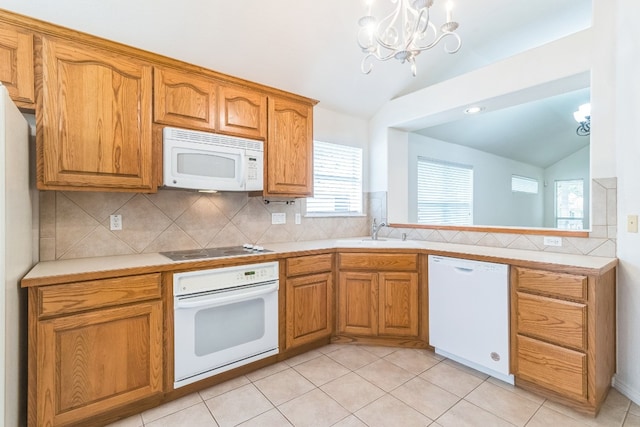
583 116
404 31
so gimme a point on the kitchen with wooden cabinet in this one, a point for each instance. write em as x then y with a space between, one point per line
98 328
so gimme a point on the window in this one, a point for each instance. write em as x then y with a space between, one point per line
445 193
337 180
570 204
522 184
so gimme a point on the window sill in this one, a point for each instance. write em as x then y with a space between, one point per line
334 215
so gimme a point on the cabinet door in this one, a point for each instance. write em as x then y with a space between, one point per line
243 112
93 362
289 154
358 303
183 99
94 131
398 304
308 308
16 64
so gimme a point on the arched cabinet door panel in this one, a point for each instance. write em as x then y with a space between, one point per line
289 156
94 121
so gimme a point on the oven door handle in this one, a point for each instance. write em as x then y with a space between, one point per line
218 300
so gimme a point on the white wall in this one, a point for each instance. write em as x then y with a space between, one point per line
622 137
531 78
493 201
574 166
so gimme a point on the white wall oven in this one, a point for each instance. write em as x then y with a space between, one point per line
223 318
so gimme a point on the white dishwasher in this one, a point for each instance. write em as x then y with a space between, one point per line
469 313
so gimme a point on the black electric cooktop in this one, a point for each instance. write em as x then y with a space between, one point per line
214 252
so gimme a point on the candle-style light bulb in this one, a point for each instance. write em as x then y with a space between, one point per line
369 4
449 11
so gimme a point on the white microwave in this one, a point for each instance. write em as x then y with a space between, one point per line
208 161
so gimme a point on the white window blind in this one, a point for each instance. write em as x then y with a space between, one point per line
445 193
523 184
337 180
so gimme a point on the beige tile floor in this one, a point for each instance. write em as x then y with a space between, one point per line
349 386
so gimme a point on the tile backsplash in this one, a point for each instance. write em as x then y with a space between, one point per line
76 224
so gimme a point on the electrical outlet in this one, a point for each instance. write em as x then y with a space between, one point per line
115 222
552 241
632 223
298 219
279 218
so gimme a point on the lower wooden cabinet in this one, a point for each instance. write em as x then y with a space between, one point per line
91 353
358 303
309 293
398 304
379 296
378 303
563 334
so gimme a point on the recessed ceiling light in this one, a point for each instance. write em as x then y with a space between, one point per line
474 110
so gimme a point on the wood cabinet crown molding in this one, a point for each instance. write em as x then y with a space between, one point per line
39 27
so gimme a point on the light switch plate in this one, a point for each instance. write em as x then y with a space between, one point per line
279 218
632 223
552 241
298 219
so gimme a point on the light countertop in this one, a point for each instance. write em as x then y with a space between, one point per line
47 271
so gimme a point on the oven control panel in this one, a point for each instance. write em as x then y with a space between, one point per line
224 278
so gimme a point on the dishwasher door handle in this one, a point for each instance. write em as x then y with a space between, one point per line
464 270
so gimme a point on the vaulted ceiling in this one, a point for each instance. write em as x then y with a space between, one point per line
309 47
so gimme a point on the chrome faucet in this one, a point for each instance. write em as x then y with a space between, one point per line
375 228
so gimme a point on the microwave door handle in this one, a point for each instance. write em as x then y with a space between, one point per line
243 166
222 300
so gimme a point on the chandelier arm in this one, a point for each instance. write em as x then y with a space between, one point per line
364 62
437 40
415 32
391 18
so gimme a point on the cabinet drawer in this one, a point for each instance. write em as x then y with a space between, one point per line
386 262
559 369
309 264
551 283
561 322
80 296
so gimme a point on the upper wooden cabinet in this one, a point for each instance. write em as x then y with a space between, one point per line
16 64
184 99
289 153
242 111
94 119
